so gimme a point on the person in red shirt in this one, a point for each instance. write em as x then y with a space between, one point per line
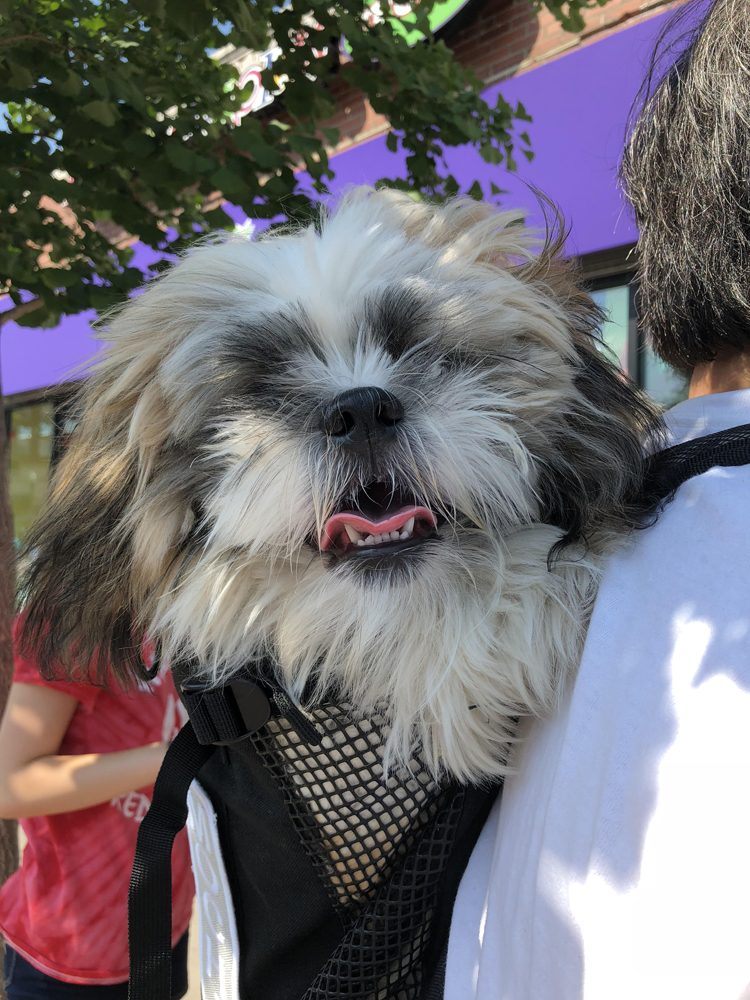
77 766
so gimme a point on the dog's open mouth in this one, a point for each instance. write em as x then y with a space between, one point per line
378 520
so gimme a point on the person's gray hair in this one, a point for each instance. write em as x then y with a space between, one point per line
686 171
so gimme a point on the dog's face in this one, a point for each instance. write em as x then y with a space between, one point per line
354 448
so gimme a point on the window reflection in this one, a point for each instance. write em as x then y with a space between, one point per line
621 335
32 432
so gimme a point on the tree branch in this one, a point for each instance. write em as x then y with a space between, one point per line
30 38
17 311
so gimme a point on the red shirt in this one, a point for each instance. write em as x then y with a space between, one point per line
66 909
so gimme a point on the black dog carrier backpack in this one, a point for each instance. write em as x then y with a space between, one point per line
318 876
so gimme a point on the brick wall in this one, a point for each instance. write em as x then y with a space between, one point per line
506 38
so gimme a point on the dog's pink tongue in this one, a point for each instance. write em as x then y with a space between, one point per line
335 525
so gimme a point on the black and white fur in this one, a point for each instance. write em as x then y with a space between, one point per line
192 500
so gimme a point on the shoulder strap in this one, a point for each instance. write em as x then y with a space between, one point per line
667 470
150 894
218 716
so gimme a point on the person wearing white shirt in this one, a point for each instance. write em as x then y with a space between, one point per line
617 864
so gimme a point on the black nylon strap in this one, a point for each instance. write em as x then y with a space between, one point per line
304 727
228 713
150 893
214 716
669 469
435 989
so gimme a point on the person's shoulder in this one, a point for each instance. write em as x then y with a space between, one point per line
27 670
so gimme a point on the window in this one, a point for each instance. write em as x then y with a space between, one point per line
616 296
31 433
37 434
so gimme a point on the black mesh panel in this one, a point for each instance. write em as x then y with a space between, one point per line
379 844
381 956
355 825
359 905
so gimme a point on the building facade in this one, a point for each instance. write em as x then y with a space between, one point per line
578 90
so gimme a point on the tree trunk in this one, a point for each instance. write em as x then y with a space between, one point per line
8 831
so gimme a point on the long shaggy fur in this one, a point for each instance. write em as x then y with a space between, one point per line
687 173
191 499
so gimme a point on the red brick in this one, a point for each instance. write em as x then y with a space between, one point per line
506 37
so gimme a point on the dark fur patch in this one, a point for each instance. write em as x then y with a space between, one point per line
79 607
256 362
83 613
399 318
593 476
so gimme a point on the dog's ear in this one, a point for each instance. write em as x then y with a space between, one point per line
591 479
75 580
109 530
591 474
122 510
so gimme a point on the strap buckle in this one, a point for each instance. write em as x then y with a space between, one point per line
227 714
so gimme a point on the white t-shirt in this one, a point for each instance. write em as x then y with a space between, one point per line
618 866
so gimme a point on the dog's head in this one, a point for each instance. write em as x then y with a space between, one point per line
354 446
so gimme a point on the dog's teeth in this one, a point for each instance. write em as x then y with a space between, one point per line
369 540
405 534
354 535
395 536
361 542
409 526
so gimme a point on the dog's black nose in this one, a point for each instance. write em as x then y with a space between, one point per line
360 418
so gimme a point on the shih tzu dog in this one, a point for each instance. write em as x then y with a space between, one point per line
386 450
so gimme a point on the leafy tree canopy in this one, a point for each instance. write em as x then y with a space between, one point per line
119 119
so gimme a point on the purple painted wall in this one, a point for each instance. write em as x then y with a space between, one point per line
579 104
33 358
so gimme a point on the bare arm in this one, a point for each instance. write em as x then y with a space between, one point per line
36 781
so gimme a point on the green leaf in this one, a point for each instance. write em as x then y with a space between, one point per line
264 154
139 144
303 144
226 181
58 277
522 114
93 24
143 72
37 318
100 153
179 156
451 186
491 154
102 297
69 86
102 112
20 78
202 164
